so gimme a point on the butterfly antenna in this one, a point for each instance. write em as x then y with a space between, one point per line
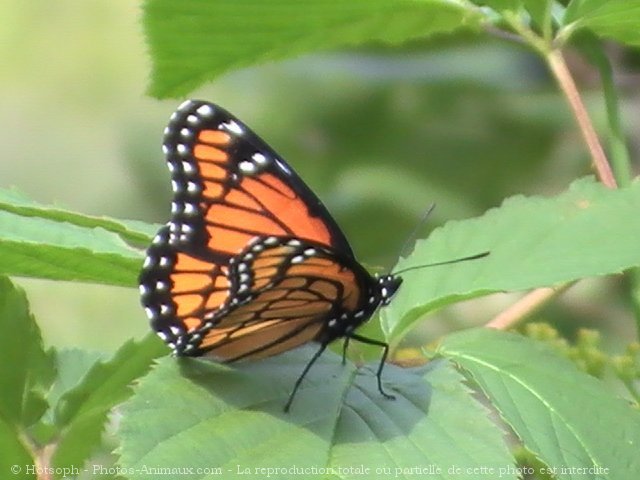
446 262
414 233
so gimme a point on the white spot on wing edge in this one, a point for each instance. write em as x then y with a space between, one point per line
205 110
163 336
182 149
188 167
247 167
259 158
233 127
185 105
283 166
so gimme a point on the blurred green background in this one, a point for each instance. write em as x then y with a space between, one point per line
379 134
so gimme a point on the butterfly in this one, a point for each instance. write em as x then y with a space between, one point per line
251 263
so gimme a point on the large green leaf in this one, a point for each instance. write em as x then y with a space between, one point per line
46 248
567 418
201 415
534 242
14 201
616 19
193 41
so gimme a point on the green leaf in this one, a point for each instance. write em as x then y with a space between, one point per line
14 454
193 41
44 248
616 19
26 369
82 410
559 413
133 231
534 242
538 9
201 414
72 365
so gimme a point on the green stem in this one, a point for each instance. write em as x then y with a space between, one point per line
539 44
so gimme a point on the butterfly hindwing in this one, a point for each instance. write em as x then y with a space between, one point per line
288 293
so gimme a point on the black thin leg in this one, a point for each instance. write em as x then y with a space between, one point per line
304 372
385 351
344 350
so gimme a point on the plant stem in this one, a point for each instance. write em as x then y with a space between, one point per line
565 81
524 307
620 158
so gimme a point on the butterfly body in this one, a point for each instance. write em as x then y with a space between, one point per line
251 263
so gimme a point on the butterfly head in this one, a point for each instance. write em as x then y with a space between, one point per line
387 286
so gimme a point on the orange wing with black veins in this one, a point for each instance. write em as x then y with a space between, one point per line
232 190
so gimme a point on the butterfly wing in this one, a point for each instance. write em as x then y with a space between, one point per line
232 192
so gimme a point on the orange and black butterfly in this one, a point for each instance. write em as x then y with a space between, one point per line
251 264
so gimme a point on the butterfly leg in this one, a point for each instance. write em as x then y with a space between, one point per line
344 350
302 375
385 352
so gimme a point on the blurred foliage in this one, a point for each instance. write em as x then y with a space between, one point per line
587 352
